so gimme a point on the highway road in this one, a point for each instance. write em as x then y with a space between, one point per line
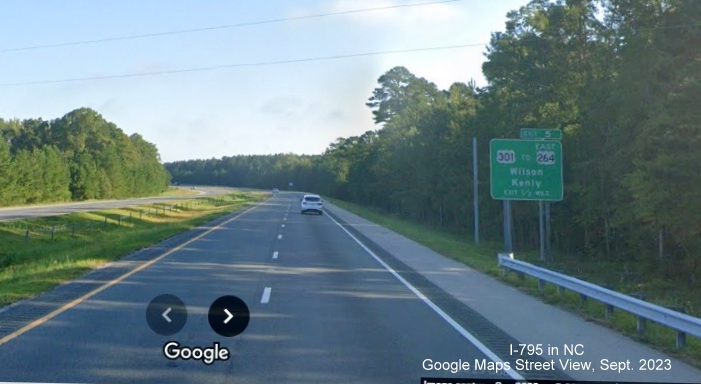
26 212
324 307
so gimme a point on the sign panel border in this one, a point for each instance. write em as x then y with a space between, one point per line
508 153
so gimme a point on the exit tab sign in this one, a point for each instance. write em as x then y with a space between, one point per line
540 134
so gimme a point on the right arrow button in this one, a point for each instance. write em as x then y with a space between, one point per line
228 316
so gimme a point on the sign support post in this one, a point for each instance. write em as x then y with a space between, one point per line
547 229
475 192
541 230
508 244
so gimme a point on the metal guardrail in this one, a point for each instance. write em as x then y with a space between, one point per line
682 323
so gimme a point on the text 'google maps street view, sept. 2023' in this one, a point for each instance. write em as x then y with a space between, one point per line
405 191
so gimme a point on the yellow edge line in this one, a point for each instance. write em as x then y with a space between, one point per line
94 292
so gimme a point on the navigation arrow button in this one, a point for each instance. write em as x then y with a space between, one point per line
169 308
165 314
230 316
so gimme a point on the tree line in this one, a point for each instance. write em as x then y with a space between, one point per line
620 78
76 157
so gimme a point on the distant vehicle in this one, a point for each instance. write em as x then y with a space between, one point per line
312 203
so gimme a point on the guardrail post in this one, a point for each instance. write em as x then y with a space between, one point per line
541 285
640 326
53 229
26 236
119 220
609 311
582 298
141 212
73 229
105 225
504 270
681 340
129 217
639 296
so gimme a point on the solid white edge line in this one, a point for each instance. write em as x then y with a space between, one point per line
266 295
275 255
467 335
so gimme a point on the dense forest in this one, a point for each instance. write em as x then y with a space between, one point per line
76 157
620 78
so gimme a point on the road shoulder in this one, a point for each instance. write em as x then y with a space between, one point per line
522 317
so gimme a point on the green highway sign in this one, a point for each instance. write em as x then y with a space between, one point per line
526 169
540 134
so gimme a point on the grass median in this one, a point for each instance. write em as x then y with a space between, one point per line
484 259
38 254
180 191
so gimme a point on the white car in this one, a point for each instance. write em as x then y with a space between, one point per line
312 203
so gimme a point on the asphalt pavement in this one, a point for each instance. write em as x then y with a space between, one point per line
332 313
332 298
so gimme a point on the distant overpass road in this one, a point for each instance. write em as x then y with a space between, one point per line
324 307
26 212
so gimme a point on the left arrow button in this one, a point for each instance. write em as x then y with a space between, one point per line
166 315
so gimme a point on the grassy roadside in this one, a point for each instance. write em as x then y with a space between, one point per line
31 261
483 258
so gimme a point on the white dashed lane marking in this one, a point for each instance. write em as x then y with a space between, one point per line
266 295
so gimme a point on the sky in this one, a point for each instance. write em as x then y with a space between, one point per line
253 104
